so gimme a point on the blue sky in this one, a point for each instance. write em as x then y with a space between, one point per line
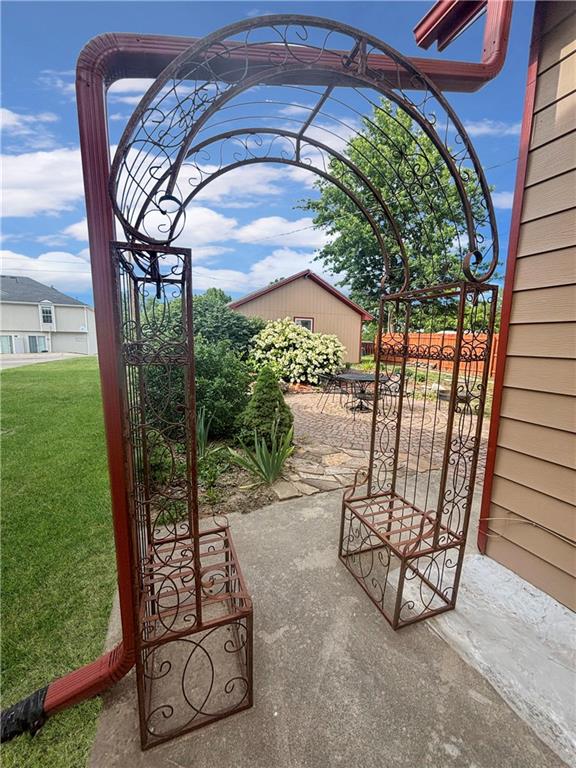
241 240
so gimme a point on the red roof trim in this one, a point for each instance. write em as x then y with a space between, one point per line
307 274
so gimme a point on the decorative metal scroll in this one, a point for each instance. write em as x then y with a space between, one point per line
296 91
404 523
306 94
194 615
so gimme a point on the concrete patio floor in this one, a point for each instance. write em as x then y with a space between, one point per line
334 685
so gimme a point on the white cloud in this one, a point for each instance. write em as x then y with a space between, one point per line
503 199
278 230
282 262
29 130
41 182
65 271
487 127
247 182
118 116
17 123
131 85
79 230
205 226
296 110
62 81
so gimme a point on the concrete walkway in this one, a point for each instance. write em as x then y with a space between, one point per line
16 361
334 685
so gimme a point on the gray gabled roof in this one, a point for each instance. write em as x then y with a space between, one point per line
28 291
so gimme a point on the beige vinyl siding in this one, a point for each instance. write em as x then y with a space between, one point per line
532 518
305 298
14 317
544 269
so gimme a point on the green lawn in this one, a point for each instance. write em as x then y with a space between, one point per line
58 571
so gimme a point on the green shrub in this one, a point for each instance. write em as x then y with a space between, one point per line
215 321
294 353
211 316
265 409
265 462
222 381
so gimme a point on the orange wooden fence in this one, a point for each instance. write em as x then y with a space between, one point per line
440 340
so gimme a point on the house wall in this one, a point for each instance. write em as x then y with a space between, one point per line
15 317
73 329
534 461
305 298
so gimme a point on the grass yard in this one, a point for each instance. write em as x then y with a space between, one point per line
58 570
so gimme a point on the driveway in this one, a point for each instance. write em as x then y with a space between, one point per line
16 361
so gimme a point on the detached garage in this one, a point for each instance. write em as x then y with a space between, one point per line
312 302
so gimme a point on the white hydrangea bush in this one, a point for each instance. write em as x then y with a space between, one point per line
294 353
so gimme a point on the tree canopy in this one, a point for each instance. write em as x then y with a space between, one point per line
413 179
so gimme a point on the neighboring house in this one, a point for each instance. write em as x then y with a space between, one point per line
313 303
528 520
37 318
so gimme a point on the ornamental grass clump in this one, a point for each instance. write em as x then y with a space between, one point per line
265 462
294 353
265 408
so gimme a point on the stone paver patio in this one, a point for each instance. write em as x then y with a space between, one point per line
333 443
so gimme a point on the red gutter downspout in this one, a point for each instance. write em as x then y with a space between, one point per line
525 137
104 60
448 18
92 70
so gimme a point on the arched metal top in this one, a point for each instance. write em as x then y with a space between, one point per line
160 152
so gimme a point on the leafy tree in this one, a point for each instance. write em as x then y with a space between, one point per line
212 317
266 411
416 184
215 321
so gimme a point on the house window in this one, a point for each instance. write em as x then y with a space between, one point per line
6 345
37 344
47 314
305 322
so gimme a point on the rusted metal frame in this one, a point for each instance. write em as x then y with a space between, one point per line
405 104
143 435
311 141
452 407
391 545
362 584
165 613
221 621
434 588
478 434
104 60
173 71
355 199
399 593
311 117
375 399
387 89
284 133
426 615
148 740
190 406
407 317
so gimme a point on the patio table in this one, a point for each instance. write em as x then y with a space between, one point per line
357 383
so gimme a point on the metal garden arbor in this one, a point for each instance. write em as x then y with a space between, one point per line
219 106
